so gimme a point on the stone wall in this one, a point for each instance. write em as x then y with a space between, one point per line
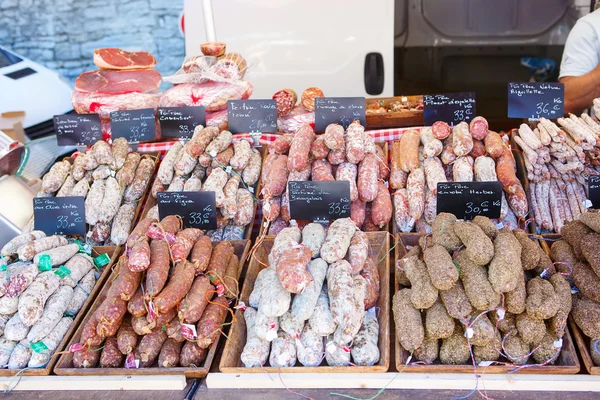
62 34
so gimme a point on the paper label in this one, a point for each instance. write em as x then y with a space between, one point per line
587 203
188 331
228 169
3 267
250 189
271 334
558 343
75 347
501 314
62 271
38 347
213 153
500 225
330 347
469 333
346 349
241 306
220 289
131 362
485 363
45 263
101 260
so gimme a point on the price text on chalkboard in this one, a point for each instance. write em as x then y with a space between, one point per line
338 110
244 116
451 108
179 122
59 215
536 100
466 200
197 209
594 190
134 125
319 200
77 129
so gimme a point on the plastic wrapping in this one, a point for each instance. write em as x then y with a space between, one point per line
291 122
212 95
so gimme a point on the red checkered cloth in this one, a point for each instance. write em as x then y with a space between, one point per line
381 135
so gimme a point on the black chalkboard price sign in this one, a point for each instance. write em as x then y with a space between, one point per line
535 100
59 215
134 125
466 200
179 122
594 190
77 129
245 116
338 110
451 108
197 209
319 200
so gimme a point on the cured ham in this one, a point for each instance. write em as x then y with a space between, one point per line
115 82
104 104
113 58
212 95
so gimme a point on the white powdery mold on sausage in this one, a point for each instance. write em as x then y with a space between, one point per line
369 145
345 334
275 300
229 208
9 305
304 303
313 236
335 355
58 255
358 251
54 309
368 175
13 245
79 265
21 276
432 146
220 143
53 180
298 156
15 329
185 163
365 351
355 151
101 172
251 173
167 166
309 349
121 225
81 188
348 172
3 320
113 194
20 356
265 327
80 293
485 169
340 288
291 325
103 153
245 207
51 341
402 216
283 351
31 302
259 287
415 189
462 141
338 240
462 169
284 239
67 187
120 149
334 137
93 201
321 320
256 350
215 182
177 184
430 210
193 184
434 173
241 155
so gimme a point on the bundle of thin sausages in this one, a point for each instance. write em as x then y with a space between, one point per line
210 162
111 179
559 159
464 153
170 296
336 155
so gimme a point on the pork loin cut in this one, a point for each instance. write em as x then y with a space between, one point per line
114 82
113 58
212 95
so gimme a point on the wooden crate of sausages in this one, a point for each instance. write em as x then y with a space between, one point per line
45 295
154 319
114 183
325 328
577 253
210 161
335 155
479 295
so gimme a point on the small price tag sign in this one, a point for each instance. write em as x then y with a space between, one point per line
77 129
244 116
197 209
338 110
451 108
134 125
469 199
59 215
594 190
535 100
179 122
319 200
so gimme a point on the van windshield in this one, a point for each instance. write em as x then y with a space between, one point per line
7 58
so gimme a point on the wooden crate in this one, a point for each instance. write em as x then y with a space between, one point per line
583 344
230 360
567 362
384 146
113 252
65 363
393 119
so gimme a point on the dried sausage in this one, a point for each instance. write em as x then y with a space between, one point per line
177 287
281 145
348 172
192 355
122 224
126 337
13 245
354 143
126 282
215 182
322 171
136 306
111 357
169 354
432 146
462 141
245 207
409 150
494 145
111 200
338 240
209 326
139 232
126 174
251 173
415 189
298 156
103 153
54 179
149 347
371 275
219 260
93 201
381 208
141 180
462 170
307 99
478 128
230 193
291 268
441 130
368 173
191 308
184 241
358 251
219 143
139 256
334 137
242 153
434 173
201 254
165 229
318 149
158 270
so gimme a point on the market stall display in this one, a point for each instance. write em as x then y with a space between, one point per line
48 285
112 179
559 159
438 154
317 300
472 296
210 161
165 306
394 112
337 155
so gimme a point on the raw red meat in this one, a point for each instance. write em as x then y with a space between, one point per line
212 95
114 82
113 58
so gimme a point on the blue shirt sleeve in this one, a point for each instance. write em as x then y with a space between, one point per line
581 53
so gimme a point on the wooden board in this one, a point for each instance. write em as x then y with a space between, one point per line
230 360
102 383
393 119
65 363
113 252
566 363
384 146
583 344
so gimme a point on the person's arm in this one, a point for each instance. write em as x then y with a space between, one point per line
580 91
